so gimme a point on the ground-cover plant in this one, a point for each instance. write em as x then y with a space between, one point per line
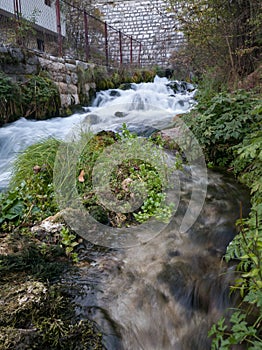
31 197
10 100
126 179
40 97
245 324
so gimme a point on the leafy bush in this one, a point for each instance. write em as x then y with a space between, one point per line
248 163
223 122
246 249
245 322
228 126
40 97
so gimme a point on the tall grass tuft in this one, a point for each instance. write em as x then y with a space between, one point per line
37 158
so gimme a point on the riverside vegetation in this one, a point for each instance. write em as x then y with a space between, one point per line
37 261
228 127
224 49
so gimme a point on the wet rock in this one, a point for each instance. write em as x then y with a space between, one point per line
114 93
120 114
92 119
125 86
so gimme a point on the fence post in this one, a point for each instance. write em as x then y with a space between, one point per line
17 14
58 25
131 50
106 44
86 36
139 54
17 9
120 48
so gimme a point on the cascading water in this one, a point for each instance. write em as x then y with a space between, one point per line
165 293
135 107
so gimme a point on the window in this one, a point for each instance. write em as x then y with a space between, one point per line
40 45
48 2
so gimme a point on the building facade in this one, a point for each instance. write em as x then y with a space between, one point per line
35 22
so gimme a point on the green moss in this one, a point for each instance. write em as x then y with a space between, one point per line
38 316
10 100
36 310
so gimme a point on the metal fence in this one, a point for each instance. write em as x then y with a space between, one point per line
93 39
63 29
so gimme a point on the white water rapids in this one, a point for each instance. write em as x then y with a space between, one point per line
137 107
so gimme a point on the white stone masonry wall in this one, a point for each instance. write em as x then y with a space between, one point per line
148 22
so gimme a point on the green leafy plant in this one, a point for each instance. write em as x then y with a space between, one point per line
126 179
37 97
223 122
40 97
248 162
245 322
69 240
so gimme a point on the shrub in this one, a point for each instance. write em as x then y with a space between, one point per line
223 122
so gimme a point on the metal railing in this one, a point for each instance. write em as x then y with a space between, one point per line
96 40
70 31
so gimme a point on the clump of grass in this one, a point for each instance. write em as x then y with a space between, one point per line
36 159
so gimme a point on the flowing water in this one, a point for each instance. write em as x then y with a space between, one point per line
137 107
164 293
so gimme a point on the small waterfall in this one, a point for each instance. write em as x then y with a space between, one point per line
137 107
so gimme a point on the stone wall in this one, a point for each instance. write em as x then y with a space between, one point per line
147 21
19 64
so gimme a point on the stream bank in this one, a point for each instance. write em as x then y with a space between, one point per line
124 290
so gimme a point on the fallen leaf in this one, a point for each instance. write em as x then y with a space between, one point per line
81 176
36 169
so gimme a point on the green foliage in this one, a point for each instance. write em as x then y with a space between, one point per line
68 239
248 161
222 122
31 195
247 248
10 100
238 332
245 323
220 34
228 126
40 97
127 178
37 98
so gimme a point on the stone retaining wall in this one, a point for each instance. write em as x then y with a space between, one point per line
19 64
